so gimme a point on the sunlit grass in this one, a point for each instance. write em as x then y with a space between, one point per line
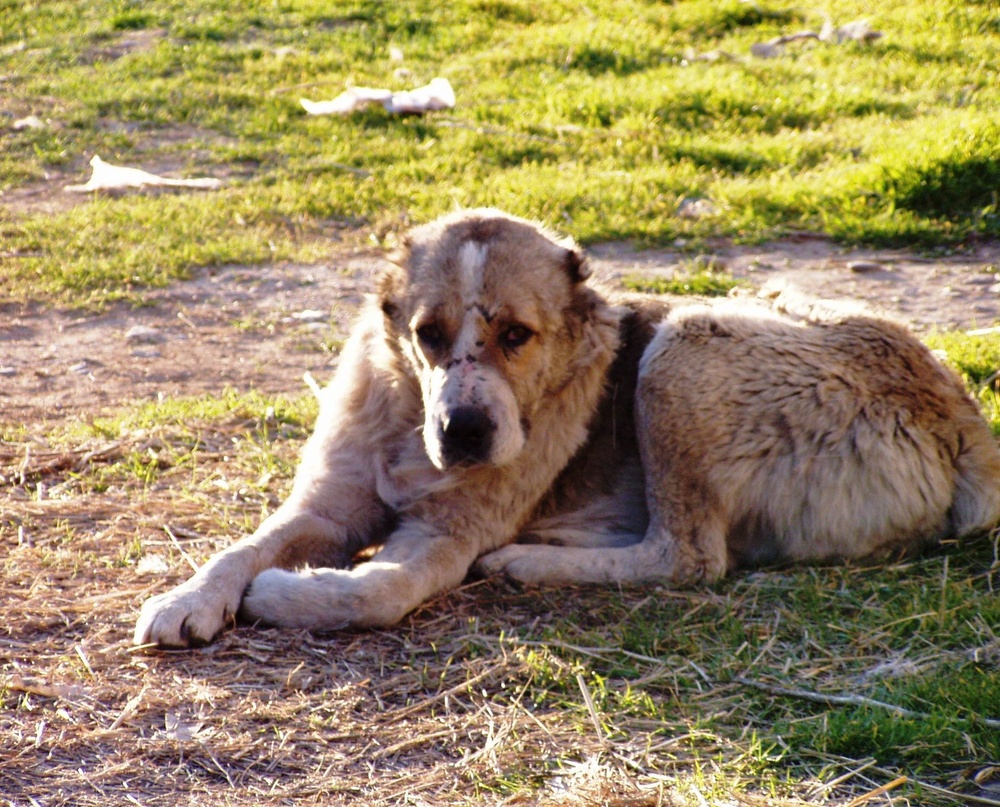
701 282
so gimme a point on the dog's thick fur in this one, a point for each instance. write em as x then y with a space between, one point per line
491 405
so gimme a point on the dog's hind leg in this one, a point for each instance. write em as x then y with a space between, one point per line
609 521
681 544
582 537
661 557
685 542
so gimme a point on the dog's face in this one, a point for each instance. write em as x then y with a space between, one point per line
488 311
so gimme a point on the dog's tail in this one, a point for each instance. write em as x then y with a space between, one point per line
786 299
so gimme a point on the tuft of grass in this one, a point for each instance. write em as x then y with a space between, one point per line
703 283
975 356
229 406
131 20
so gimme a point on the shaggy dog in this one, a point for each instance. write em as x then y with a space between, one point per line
490 405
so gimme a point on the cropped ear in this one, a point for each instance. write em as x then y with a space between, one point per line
391 279
387 289
577 266
400 256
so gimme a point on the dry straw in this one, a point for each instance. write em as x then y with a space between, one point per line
475 699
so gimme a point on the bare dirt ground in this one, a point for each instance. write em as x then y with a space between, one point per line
264 327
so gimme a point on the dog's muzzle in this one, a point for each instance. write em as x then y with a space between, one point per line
466 435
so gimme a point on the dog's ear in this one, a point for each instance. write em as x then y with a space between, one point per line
386 291
576 263
391 279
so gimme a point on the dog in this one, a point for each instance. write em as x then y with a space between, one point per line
492 409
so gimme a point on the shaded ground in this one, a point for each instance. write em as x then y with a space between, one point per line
264 327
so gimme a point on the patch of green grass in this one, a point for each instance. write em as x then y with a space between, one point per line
703 283
150 444
597 123
975 356
116 248
905 636
251 408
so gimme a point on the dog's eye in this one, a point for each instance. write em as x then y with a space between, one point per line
430 336
515 336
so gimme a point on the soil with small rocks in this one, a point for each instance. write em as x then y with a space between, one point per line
266 327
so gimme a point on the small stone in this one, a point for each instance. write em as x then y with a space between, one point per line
146 353
690 208
311 315
30 122
860 267
766 50
994 289
144 335
8 371
151 564
80 368
709 263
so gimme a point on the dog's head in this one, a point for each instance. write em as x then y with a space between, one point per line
490 313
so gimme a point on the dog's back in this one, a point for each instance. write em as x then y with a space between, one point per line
816 439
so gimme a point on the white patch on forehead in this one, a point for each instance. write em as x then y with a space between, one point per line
471 261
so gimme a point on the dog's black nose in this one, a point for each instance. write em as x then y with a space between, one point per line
466 435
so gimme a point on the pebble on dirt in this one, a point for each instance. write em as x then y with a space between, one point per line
144 335
860 267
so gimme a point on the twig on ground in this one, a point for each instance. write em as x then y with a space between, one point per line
850 700
428 702
588 701
177 544
864 798
313 384
966 798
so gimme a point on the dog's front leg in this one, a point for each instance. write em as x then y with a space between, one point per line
195 611
333 510
417 562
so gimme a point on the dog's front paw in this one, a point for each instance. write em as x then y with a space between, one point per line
513 561
324 599
188 616
274 598
694 566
